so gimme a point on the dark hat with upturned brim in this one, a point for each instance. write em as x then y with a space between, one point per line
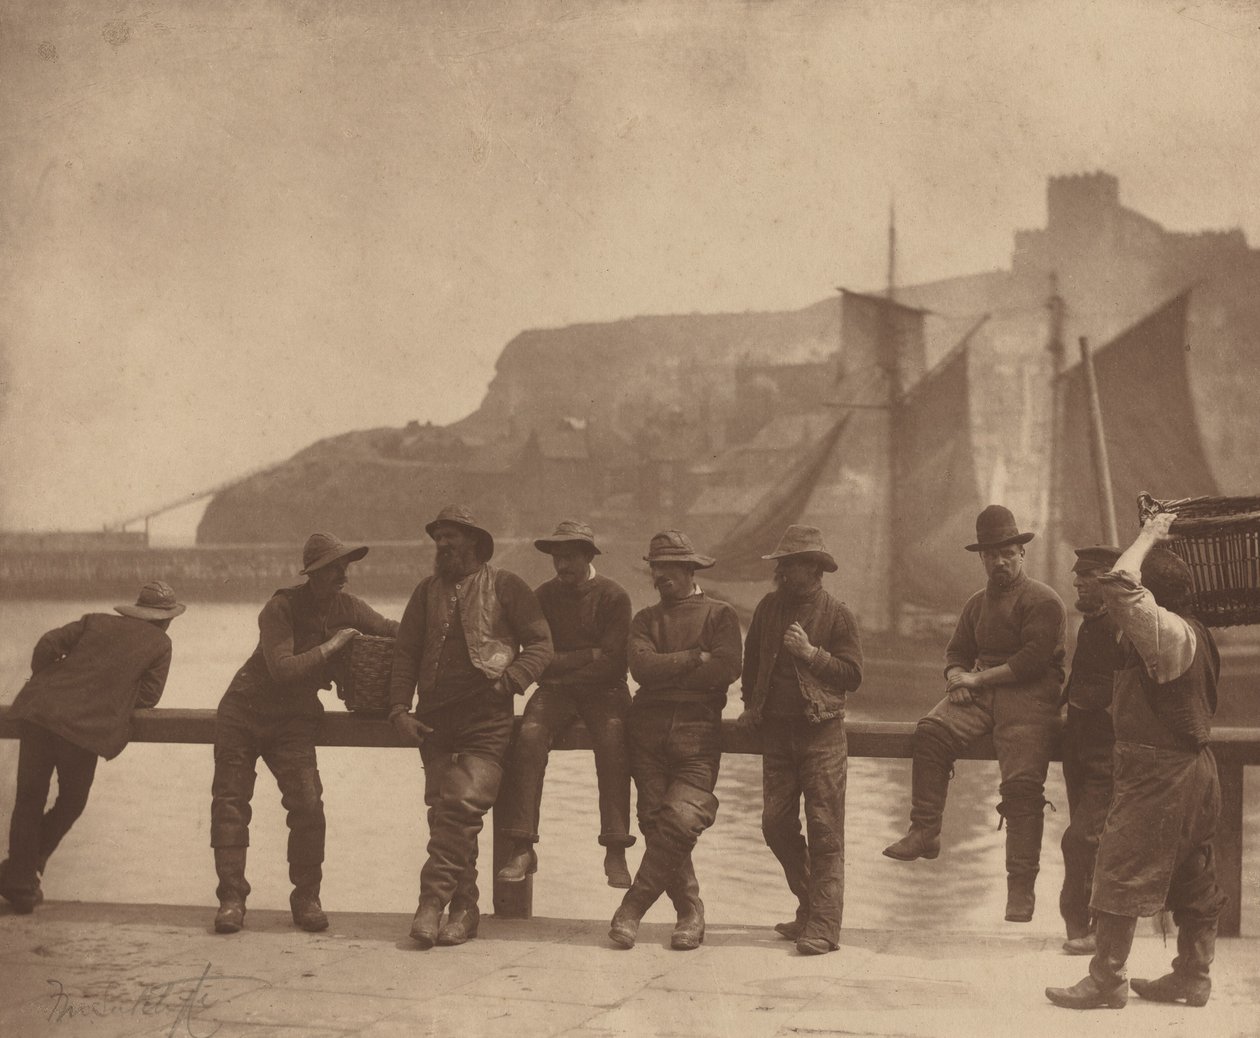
805 541
568 533
156 601
1096 556
322 548
996 528
676 546
461 515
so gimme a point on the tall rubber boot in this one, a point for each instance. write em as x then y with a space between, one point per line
684 891
826 905
233 889
1106 986
1024 826
308 913
929 787
1189 981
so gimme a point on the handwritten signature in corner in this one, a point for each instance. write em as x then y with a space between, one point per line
185 998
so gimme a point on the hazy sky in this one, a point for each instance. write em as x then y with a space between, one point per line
231 229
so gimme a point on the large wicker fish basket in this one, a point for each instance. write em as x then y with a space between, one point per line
1219 538
362 672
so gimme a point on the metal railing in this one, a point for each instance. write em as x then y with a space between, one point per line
1235 749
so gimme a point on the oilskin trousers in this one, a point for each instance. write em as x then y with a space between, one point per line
33 832
675 752
287 746
551 710
463 767
1088 746
800 759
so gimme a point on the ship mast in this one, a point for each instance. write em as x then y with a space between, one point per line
1058 389
890 361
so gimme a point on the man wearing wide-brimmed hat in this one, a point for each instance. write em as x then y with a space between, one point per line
270 710
86 678
1088 742
472 638
684 653
802 656
589 617
1003 672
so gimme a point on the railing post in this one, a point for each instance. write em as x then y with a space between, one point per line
1229 843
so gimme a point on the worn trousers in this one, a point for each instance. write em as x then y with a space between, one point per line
804 759
463 767
675 753
286 745
1088 746
33 832
1024 723
551 710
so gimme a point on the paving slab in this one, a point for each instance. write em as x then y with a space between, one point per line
143 971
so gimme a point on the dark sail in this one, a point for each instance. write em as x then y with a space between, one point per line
935 490
1149 425
740 553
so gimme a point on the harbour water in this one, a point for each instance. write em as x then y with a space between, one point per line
144 837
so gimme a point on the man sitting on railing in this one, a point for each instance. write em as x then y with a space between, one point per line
1003 669
271 710
589 617
86 678
1156 846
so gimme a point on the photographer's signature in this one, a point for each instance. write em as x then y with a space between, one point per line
185 998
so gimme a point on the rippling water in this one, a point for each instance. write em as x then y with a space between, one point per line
145 834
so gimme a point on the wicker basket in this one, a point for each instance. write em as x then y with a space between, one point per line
1219 538
362 671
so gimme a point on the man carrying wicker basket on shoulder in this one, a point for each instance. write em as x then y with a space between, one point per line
271 710
473 636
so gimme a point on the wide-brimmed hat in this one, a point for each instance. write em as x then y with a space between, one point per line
676 546
803 540
1096 556
322 548
461 515
568 532
156 601
995 528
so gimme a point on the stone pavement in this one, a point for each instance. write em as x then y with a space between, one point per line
110 970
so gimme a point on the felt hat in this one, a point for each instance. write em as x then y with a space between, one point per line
461 515
322 548
803 540
156 601
995 528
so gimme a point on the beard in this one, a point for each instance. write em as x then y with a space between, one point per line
453 563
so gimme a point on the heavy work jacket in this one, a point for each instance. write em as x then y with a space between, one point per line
89 675
1167 794
834 670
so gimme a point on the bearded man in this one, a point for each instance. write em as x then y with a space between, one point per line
1003 670
801 657
1156 849
1088 743
472 637
684 652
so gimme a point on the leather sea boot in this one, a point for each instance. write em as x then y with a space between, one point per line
793 928
521 862
308 913
426 923
1105 986
1189 981
684 892
461 924
615 869
1024 826
229 864
1086 945
929 787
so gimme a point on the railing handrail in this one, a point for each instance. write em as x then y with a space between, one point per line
1234 748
